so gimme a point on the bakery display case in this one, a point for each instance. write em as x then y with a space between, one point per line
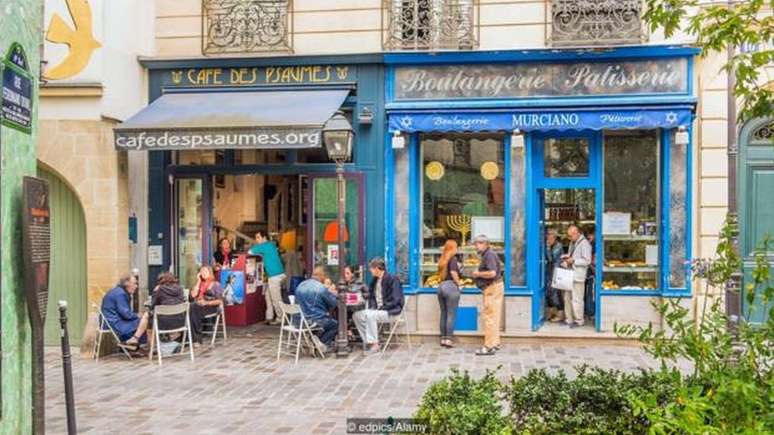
469 262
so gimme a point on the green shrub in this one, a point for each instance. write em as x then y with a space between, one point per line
596 401
461 405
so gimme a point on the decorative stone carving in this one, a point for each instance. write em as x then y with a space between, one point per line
596 22
246 26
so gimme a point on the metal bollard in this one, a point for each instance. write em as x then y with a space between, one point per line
67 368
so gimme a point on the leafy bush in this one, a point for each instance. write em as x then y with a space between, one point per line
461 405
595 401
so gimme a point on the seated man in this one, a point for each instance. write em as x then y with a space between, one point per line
118 313
385 299
316 302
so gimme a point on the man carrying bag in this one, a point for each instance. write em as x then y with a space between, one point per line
578 259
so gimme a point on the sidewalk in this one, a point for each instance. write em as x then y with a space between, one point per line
242 388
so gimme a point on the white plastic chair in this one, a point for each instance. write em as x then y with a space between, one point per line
394 322
171 310
302 335
220 320
104 328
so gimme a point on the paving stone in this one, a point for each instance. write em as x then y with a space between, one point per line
251 392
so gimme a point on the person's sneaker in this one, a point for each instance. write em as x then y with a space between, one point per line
319 344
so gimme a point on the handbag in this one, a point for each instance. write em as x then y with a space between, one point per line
563 278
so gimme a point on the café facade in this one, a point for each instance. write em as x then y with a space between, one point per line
448 145
516 144
234 146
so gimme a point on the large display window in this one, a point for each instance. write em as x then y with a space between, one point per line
463 195
631 209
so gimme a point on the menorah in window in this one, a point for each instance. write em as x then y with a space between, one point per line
246 26
429 24
596 22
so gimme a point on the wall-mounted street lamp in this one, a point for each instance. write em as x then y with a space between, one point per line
337 137
398 140
681 137
517 140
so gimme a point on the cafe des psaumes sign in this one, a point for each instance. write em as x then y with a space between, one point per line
541 79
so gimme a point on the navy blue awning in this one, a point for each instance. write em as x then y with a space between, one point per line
540 120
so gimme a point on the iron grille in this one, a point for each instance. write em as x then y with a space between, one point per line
246 26
763 133
596 22
430 24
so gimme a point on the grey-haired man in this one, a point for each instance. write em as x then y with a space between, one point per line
489 279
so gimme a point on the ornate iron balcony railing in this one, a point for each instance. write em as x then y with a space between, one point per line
596 22
430 24
246 26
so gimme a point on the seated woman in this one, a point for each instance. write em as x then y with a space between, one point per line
224 255
168 292
117 312
206 299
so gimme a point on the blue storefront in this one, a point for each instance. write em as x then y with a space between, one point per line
518 144
234 147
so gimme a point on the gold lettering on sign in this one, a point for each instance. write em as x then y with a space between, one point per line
177 77
244 76
80 40
299 74
205 76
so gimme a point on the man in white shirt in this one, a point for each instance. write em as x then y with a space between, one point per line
579 258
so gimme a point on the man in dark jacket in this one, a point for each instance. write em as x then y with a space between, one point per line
117 312
385 299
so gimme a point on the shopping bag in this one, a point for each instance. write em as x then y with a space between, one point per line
563 278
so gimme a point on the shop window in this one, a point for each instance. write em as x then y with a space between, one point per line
430 24
566 157
463 195
246 26
598 22
631 210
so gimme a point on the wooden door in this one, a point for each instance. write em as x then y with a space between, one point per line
68 261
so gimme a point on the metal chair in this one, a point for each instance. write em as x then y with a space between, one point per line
171 310
220 319
290 334
104 328
394 322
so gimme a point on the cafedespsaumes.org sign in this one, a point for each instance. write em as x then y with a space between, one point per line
441 82
183 139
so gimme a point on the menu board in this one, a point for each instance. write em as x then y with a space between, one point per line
36 236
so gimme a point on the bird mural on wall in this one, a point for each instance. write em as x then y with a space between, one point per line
80 40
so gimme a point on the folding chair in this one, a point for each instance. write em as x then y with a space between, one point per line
171 310
394 322
104 328
220 319
291 335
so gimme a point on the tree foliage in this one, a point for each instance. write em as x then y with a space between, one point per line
747 26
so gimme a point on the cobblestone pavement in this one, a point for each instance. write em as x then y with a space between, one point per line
240 387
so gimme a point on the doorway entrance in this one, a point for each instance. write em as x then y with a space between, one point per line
297 211
565 184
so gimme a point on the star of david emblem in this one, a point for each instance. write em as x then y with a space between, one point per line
405 122
671 117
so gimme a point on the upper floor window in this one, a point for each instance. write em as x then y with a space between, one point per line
246 26
430 24
596 22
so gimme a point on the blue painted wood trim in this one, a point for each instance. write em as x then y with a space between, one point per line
389 202
472 104
466 291
542 54
598 154
664 205
282 60
530 220
689 210
507 209
414 211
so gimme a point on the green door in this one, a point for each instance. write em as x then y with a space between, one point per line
68 261
756 208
